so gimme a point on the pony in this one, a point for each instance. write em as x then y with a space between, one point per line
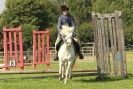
66 54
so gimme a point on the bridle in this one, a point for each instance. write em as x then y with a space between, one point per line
65 39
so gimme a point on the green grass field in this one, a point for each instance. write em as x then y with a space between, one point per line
82 81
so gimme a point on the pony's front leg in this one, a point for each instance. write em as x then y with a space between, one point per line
63 71
67 72
60 71
70 73
71 68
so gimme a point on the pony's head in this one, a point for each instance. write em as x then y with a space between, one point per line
67 34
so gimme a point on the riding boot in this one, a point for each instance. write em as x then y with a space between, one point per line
80 55
77 47
57 46
56 53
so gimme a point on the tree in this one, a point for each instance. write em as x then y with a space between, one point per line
128 34
27 35
36 12
85 32
30 14
53 35
81 10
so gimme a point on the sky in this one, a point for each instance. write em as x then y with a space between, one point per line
2 5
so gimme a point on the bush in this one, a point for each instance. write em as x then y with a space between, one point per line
27 35
128 35
85 32
53 35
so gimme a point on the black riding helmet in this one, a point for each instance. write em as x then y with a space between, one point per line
64 8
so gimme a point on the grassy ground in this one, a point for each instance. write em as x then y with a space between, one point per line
82 81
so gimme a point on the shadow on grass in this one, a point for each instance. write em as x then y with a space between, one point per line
105 79
89 77
43 76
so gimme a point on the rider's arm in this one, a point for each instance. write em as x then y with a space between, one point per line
59 24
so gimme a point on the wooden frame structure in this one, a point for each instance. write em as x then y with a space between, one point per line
109 44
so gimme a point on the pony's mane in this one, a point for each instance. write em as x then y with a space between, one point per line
66 30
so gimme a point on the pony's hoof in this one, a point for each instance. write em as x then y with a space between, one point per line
65 82
70 77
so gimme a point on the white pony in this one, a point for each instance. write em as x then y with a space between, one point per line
66 54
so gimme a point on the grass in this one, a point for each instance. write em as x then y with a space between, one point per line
83 81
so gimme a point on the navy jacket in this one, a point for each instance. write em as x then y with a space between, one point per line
65 20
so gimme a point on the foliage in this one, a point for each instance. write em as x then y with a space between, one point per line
85 32
128 34
29 14
81 10
36 12
27 35
53 35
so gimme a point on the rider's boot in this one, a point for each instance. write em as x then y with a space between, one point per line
57 46
77 46
80 55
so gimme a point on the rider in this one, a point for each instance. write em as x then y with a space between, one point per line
66 19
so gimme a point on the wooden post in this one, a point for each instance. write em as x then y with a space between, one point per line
95 27
120 42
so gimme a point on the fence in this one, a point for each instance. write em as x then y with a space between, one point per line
87 50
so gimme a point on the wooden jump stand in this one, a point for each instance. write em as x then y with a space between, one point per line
109 44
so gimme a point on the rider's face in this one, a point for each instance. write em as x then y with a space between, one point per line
65 12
